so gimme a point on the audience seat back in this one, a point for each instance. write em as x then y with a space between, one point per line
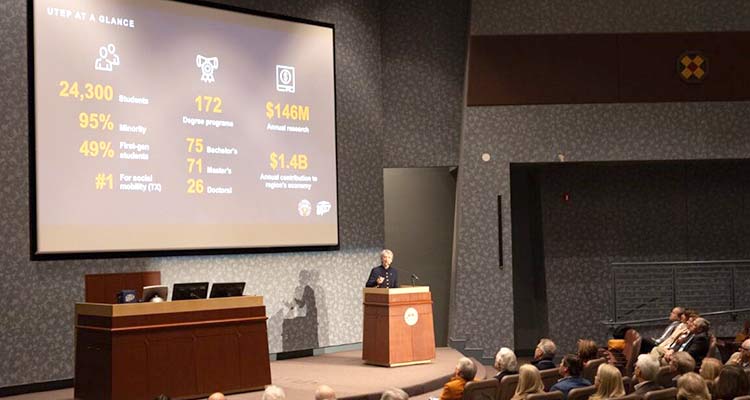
627 383
556 395
712 350
581 393
663 394
589 371
508 387
550 377
482 390
631 351
630 397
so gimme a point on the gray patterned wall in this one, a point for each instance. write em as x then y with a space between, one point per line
424 56
493 17
633 213
38 297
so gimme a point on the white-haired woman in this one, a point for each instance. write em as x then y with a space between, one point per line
506 363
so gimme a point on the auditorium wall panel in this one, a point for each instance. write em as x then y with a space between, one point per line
641 212
423 52
586 132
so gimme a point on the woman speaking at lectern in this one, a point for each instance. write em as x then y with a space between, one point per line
383 276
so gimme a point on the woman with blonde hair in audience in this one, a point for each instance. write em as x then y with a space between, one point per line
691 386
608 382
529 382
709 371
587 350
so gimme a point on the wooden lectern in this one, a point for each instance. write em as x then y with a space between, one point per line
398 326
184 349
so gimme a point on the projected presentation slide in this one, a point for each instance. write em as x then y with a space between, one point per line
163 125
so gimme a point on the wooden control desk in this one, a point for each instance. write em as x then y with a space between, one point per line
184 349
398 328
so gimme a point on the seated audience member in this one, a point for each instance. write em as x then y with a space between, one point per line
217 396
544 355
681 330
681 363
394 394
465 372
646 370
696 343
506 363
691 386
674 322
324 392
273 392
710 368
571 368
587 350
732 382
529 382
742 357
608 383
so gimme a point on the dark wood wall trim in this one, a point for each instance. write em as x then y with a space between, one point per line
606 68
35 387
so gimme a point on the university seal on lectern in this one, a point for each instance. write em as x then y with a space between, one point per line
411 316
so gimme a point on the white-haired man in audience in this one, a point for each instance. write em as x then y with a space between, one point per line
465 372
544 355
273 392
325 392
217 396
394 394
646 370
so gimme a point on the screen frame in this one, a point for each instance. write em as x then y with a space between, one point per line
33 243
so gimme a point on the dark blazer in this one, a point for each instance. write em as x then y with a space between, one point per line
647 387
390 275
569 383
697 346
499 376
544 363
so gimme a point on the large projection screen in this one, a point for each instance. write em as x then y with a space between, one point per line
167 126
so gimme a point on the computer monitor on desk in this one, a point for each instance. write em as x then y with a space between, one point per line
229 289
190 291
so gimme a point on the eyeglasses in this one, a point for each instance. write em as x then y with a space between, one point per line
744 349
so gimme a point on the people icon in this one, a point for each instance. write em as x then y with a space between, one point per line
107 58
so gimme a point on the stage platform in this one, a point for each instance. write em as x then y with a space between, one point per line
344 372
